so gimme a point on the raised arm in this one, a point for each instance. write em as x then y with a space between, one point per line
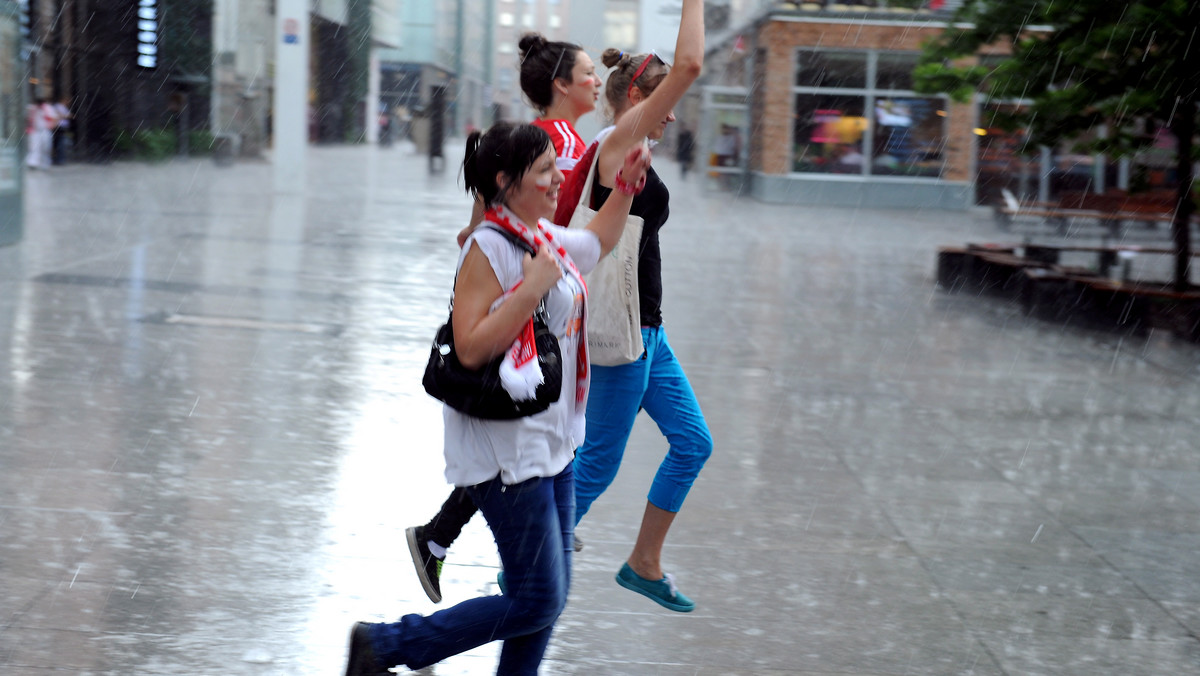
635 123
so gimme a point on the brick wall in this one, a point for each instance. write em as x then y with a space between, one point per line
781 39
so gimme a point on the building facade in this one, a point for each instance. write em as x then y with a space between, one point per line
440 69
12 123
125 67
814 103
243 52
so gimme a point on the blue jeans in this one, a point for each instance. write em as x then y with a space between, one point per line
532 522
657 383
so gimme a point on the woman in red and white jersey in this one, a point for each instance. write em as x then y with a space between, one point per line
560 81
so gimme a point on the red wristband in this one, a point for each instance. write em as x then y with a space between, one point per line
628 188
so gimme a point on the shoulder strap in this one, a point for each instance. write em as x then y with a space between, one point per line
520 243
517 241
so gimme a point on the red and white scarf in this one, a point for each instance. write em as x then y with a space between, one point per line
519 372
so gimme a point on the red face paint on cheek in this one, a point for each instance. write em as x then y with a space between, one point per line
542 184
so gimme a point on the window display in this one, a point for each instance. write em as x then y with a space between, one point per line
903 135
11 110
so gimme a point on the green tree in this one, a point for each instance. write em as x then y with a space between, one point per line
1079 64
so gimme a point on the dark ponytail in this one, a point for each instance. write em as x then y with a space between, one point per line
470 166
506 148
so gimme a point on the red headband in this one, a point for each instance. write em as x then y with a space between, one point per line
641 69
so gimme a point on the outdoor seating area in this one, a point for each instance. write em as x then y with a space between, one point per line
1097 286
1112 211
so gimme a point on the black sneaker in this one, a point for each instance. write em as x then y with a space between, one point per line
362 660
578 545
429 567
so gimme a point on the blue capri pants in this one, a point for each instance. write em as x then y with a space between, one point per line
656 383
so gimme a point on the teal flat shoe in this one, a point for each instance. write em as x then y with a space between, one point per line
662 592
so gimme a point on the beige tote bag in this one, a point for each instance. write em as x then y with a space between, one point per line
614 317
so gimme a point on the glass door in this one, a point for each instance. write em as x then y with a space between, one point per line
723 152
12 123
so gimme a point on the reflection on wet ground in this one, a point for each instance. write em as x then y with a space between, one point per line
212 436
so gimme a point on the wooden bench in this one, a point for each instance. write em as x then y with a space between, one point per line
1034 276
998 266
1112 211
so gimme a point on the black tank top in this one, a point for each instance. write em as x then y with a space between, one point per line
652 206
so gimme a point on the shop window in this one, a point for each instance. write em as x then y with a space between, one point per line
1002 162
12 113
832 69
910 136
848 122
895 71
1153 167
620 28
829 134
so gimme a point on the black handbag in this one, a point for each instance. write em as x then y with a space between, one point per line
478 393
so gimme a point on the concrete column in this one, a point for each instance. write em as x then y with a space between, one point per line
1124 167
290 117
372 106
1044 169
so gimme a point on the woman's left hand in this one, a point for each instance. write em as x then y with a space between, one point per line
637 163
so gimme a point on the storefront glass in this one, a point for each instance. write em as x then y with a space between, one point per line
909 136
832 69
894 71
1003 162
829 134
11 125
1153 168
902 135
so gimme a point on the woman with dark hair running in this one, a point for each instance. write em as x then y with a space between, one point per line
642 91
559 79
518 472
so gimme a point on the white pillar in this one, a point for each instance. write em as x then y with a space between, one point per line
1046 166
372 107
1123 172
290 107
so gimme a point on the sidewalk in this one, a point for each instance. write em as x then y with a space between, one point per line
213 434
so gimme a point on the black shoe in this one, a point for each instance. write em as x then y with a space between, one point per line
429 567
578 543
362 661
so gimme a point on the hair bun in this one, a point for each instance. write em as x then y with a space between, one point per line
612 56
531 42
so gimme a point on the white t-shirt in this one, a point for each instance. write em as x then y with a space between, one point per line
539 445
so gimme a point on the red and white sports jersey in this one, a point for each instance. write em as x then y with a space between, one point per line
568 144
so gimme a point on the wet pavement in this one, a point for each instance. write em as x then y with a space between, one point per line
212 436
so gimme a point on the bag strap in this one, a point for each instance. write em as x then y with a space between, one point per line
512 237
520 244
585 198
